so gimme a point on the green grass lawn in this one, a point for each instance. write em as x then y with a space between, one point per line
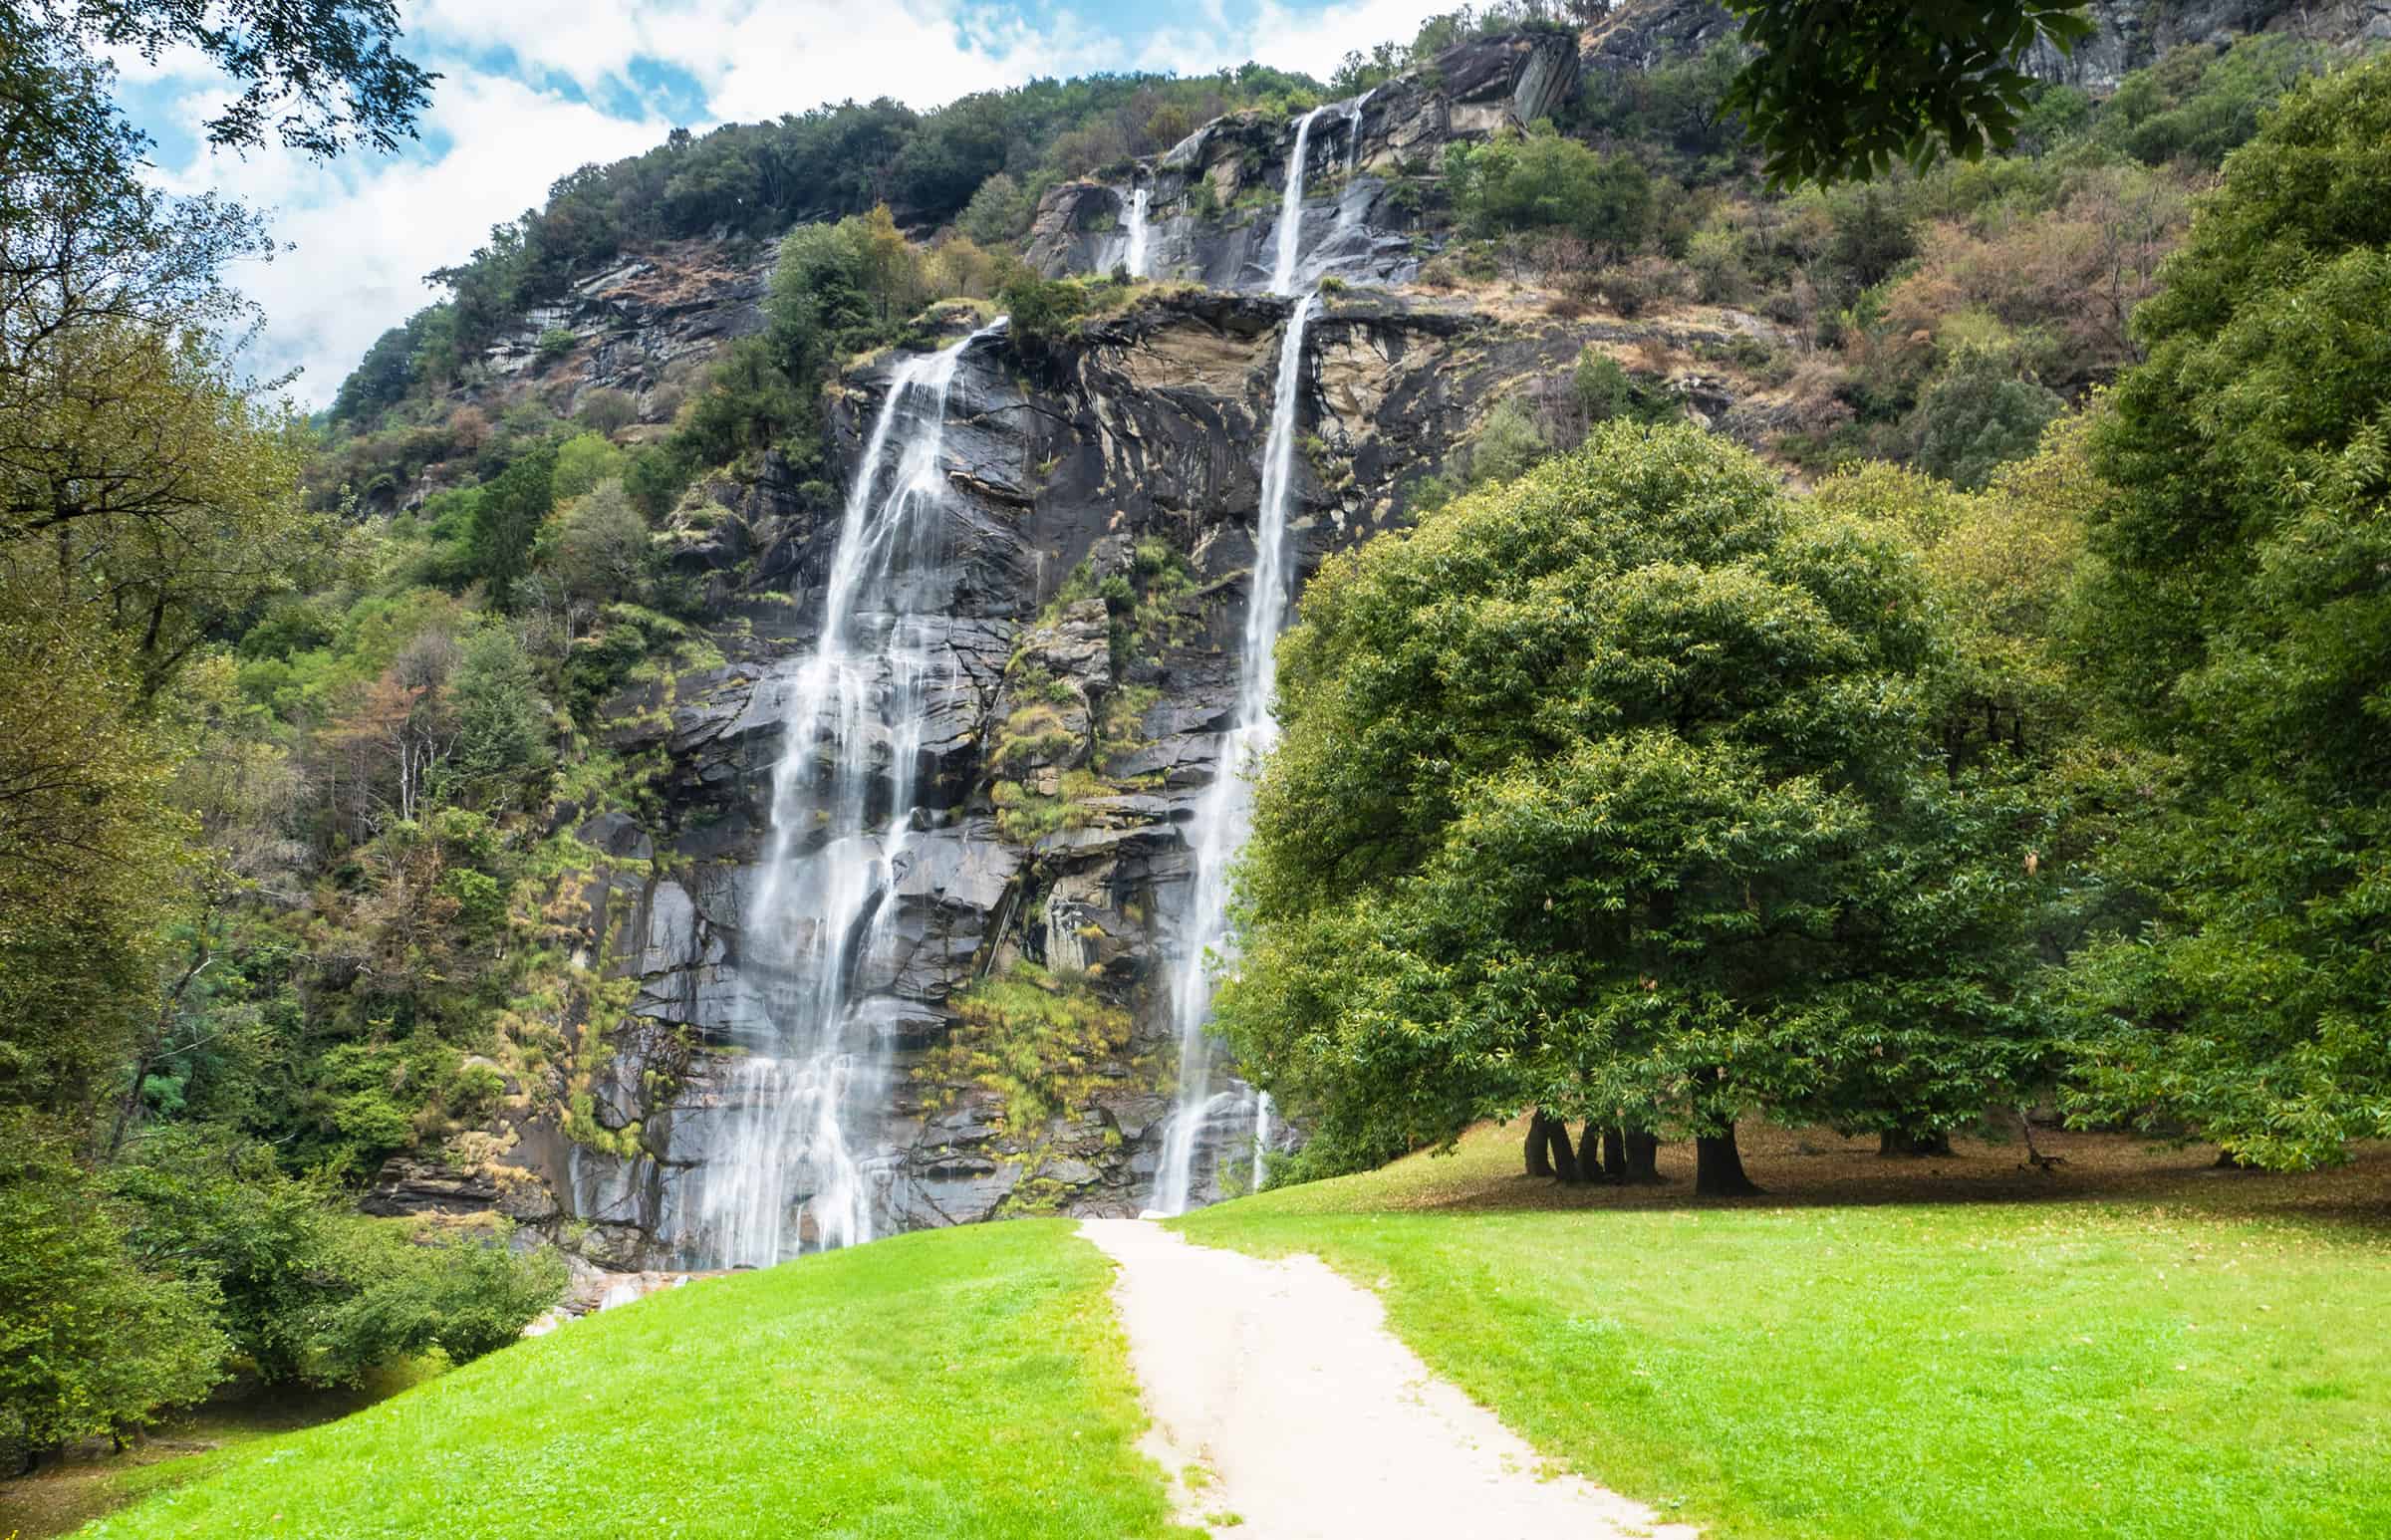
958 1382
2173 1356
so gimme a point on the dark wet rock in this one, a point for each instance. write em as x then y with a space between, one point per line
1147 424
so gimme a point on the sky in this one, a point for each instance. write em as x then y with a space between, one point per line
533 89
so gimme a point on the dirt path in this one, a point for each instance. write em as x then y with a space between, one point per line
1307 1418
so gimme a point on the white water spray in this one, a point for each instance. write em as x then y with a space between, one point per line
1290 208
1261 1140
1225 815
1353 129
779 1171
1139 197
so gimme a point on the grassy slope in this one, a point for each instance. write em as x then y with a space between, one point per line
957 1382
2176 1362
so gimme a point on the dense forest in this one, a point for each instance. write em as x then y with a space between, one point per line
2004 731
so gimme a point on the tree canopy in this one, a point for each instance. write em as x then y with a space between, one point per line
2243 637
1613 792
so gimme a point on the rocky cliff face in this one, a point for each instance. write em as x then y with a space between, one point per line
1098 500
1214 198
2129 35
1147 428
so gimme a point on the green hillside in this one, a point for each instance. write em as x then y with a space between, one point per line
957 1383
2138 1346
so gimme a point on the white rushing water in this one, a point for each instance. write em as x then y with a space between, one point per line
1261 1140
1139 197
1225 814
1290 208
1353 128
780 1171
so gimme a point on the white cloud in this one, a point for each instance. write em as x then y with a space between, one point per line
1313 40
366 230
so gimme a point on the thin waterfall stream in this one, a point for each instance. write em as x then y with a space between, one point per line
1139 197
1225 814
782 1173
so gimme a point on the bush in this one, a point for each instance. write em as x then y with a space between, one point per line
1546 182
90 1342
554 344
1508 444
1601 386
1976 417
608 410
309 1290
581 463
1040 308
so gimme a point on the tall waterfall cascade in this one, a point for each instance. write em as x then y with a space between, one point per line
1224 816
1290 208
780 1171
1135 260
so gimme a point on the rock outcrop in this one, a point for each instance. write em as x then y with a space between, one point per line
1135 442
1213 208
2129 35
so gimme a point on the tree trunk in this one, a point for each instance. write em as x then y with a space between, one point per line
1641 1152
1564 1154
1614 1154
1589 1154
1900 1143
1718 1168
1538 1163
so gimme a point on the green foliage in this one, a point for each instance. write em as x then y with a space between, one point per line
999 212
1039 1041
1976 415
1040 308
2200 103
398 1297
1679 105
2243 634
1506 445
506 517
582 462
91 1341
306 1289
1546 182
1601 386
1837 91
502 724
748 402
1614 791
554 344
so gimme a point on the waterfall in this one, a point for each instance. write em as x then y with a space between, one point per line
1261 1140
1226 812
1353 129
780 1169
1139 196
1290 208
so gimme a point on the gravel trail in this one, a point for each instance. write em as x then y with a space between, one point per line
1308 1420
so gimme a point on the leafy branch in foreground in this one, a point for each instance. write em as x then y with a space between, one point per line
1839 90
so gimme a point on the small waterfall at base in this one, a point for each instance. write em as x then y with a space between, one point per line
1226 812
1261 1140
1290 208
1139 197
779 1170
